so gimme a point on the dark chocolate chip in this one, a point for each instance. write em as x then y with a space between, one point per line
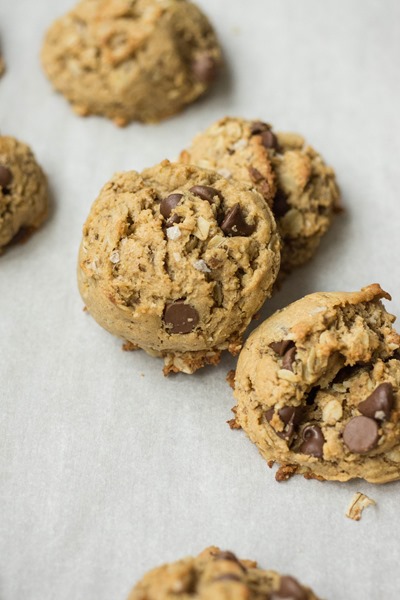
269 139
280 204
255 174
290 589
281 347
291 416
234 222
205 68
168 204
205 192
180 317
313 441
289 358
379 404
258 127
228 577
310 398
6 176
361 435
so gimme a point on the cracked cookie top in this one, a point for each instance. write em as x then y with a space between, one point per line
218 575
318 387
138 60
177 260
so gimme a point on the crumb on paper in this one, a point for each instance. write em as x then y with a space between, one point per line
129 347
230 378
233 424
357 505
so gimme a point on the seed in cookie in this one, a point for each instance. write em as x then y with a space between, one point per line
234 223
206 192
5 176
361 434
180 317
379 404
313 441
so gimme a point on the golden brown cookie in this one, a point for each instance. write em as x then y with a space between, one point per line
218 575
23 190
176 260
318 388
291 176
142 60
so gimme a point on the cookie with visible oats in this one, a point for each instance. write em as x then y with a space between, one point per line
141 60
318 388
176 260
300 188
218 575
23 191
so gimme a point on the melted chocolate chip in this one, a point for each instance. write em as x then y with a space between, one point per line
205 192
281 347
379 404
269 139
361 435
6 176
290 589
180 317
289 358
280 204
228 577
291 416
313 441
258 127
234 223
205 68
168 204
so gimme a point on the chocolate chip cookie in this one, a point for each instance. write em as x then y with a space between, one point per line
291 176
318 388
23 191
141 60
218 575
176 260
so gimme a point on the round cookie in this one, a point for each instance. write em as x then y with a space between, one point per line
218 575
318 388
23 190
291 176
141 60
176 260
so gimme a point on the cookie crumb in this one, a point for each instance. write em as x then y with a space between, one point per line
233 424
230 378
285 472
129 347
2 66
357 505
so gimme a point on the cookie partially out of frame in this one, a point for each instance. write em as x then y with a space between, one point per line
218 575
23 191
176 260
318 388
142 60
293 178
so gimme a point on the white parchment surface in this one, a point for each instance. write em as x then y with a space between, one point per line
108 469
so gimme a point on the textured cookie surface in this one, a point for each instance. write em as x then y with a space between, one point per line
318 388
292 177
23 190
177 260
218 575
138 60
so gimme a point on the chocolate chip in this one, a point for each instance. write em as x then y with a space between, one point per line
205 192
289 358
310 398
180 317
6 176
205 67
361 435
291 416
281 347
269 139
280 204
255 174
290 589
234 222
168 204
258 127
313 441
228 577
379 404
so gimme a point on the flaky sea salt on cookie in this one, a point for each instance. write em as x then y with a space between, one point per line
176 260
218 575
318 388
141 60
23 191
293 178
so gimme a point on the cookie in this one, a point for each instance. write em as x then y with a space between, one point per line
142 60
318 388
218 575
23 191
176 260
291 176
2 66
